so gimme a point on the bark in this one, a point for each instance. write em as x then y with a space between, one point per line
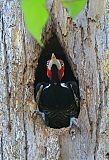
86 44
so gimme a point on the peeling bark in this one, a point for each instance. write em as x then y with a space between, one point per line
86 44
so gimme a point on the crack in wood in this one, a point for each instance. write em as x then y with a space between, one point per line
6 71
24 44
24 125
2 147
87 108
99 118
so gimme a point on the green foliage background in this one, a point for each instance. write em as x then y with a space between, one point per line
36 14
74 6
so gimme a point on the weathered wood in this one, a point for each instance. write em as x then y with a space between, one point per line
86 44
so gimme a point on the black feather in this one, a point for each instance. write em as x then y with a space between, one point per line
59 102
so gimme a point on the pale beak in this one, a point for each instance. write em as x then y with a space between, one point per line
54 61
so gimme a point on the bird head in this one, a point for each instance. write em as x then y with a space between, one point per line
59 65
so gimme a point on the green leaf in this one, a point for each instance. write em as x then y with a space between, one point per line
74 6
35 15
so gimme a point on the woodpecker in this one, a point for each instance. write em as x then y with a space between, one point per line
58 103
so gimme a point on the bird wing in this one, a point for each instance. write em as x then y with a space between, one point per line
75 90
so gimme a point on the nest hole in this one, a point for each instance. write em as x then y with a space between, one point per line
52 46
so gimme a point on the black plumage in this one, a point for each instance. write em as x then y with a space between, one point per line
58 101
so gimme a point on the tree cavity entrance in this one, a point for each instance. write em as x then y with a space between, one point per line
65 101
52 46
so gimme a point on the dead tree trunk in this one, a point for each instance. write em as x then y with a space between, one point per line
86 44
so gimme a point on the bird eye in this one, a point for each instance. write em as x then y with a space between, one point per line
47 63
62 64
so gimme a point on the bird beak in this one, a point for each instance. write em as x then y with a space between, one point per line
55 61
53 58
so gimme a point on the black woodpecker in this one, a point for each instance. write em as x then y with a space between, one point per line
58 103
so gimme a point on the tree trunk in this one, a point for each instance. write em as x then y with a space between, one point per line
86 44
